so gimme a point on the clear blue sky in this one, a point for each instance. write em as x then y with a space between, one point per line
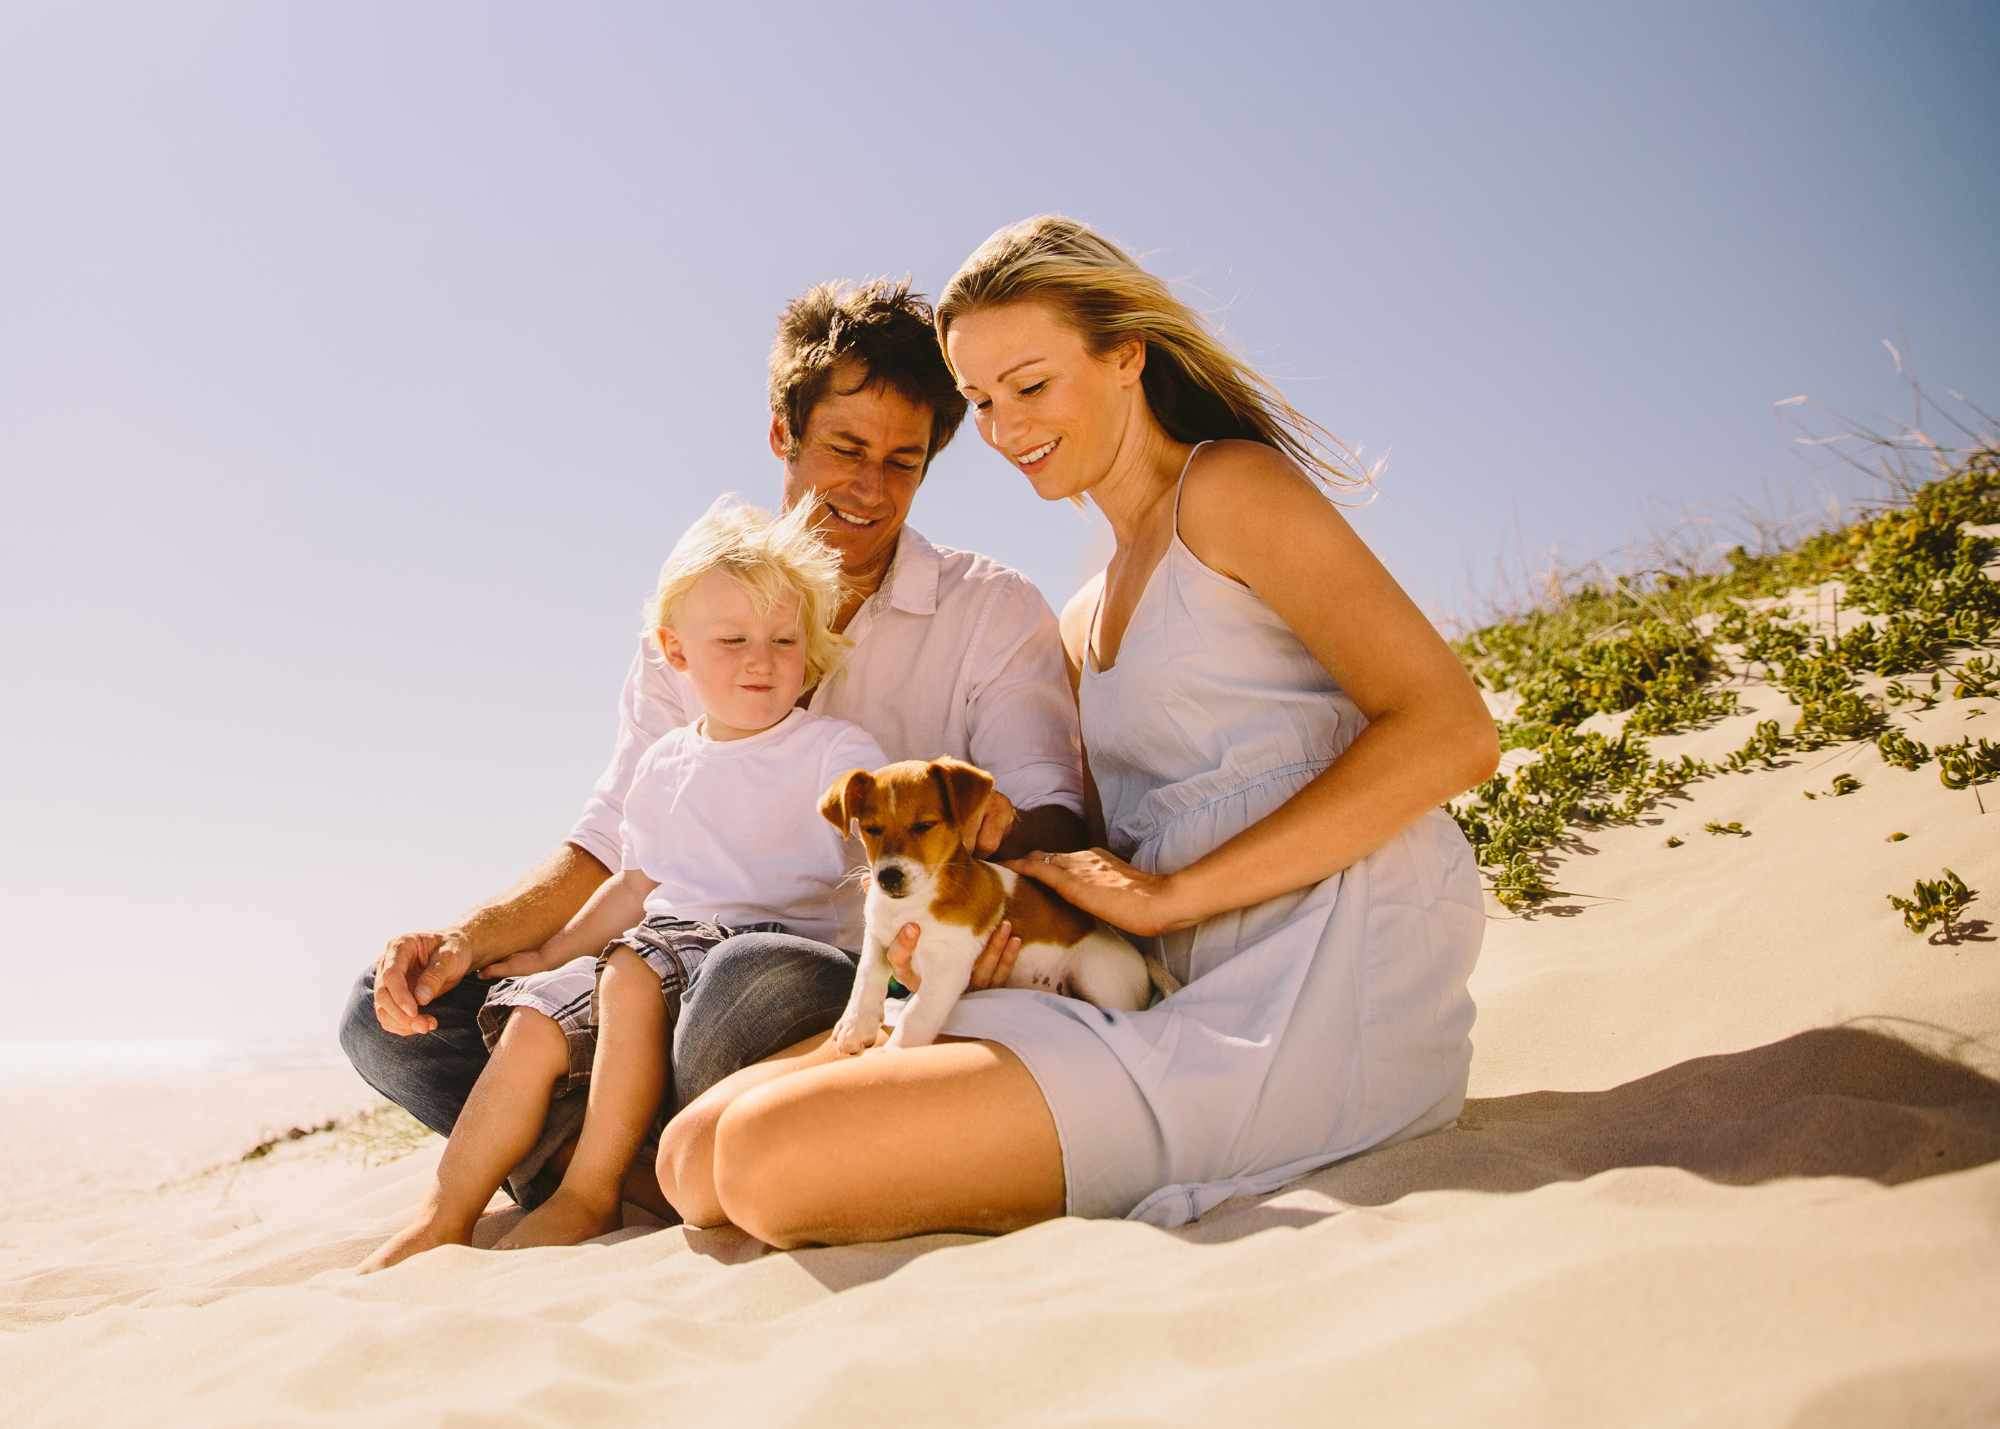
359 362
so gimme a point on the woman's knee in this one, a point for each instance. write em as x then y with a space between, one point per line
683 1166
767 1177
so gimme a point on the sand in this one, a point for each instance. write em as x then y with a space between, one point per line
1733 1157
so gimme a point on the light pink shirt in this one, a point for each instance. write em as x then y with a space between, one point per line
955 654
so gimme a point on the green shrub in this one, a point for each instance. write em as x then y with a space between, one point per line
1899 749
1977 677
1938 901
1964 764
1764 746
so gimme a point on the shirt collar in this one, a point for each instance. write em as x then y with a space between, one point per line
912 582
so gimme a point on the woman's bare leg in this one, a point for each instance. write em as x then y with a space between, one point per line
501 1120
950 1137
686 1163
628 1075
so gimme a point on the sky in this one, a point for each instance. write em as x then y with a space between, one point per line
359 363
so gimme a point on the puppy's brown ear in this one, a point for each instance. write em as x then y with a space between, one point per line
964 788
840 805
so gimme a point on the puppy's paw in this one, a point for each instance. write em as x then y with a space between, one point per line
850 1036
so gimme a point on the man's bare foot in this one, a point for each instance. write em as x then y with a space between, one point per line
412 1239
566 1218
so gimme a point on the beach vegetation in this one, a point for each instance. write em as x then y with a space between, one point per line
1965 763
1977 677
1896 693
1935 901
1900 750
1656 649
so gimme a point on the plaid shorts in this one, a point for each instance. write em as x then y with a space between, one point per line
672 947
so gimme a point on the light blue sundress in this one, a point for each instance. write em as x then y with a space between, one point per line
1314 1025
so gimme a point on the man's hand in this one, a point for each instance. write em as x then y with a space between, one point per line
992 969
414 969
996 821
1044 826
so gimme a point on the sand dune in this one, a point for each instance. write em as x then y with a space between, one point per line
1733 1156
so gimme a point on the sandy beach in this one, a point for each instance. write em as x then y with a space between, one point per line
1732 1156
383 389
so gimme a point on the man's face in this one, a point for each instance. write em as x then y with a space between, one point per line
859 463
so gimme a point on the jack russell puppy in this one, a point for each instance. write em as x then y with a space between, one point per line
916 820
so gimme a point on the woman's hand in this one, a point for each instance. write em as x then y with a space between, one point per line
993 967
1099 882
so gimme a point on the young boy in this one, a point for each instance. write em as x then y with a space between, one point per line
721 835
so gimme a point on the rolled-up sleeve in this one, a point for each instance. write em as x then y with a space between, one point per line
1021 718
649 704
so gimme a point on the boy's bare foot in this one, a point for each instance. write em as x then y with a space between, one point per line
566 1218
418 1236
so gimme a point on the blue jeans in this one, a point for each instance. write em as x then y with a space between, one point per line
752 995
755 994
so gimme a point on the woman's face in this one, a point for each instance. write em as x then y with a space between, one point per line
1039 398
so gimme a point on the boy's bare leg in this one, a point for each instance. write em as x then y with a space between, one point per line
501 1120
628 1076
641 1189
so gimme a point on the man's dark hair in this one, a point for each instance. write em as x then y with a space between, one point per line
882 327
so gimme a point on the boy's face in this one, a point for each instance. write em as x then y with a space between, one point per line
747 666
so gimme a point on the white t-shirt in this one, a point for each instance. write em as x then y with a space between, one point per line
731 829
955 654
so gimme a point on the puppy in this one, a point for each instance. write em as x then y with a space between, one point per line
917 820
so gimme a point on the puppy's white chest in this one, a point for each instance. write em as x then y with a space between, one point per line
941 937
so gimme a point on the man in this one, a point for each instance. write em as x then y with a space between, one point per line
952 654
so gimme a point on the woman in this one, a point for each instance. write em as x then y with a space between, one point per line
1271 726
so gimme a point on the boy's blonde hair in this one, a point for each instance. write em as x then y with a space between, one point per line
772 559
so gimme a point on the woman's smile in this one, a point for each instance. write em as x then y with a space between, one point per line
1031 460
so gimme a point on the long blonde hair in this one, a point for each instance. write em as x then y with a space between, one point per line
1197 389
772 559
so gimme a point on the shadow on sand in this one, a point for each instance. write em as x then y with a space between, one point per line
1852 1100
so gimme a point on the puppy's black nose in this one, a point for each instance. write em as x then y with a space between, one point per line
890 880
